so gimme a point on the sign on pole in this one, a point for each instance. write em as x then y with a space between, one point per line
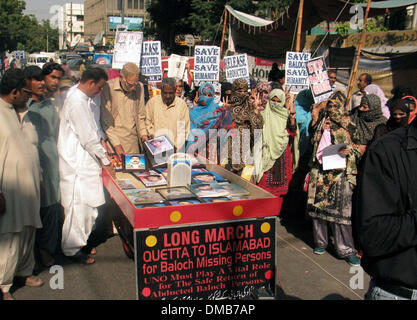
127 48
237 67
206 64
151 65
296 77
319 79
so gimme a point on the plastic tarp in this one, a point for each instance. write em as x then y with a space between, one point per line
272 39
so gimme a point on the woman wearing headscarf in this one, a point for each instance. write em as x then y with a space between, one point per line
274 159
303 104
367 117
263 88
412 106
376 90
204 116
399 118
246 119
330 192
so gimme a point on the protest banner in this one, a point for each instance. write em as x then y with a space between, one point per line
207 64
176 66
296 77
319 79
237 67
225 260
102 58
127 48
151 65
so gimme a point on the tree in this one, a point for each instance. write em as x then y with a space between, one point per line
11 24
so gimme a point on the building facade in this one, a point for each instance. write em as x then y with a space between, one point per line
71 25
103 16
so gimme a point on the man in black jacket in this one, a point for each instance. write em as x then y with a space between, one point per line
387 215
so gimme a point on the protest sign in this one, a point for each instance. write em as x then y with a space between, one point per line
151 60
237 67
227 260
176 66
296 77
319 79
206 64
127 48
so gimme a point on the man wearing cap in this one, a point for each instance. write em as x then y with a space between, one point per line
123 110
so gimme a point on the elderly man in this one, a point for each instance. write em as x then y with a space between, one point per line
364 80
43 115
123 110
81 157
19 185
167 114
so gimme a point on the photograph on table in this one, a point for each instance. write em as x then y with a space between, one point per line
208 176
210 189
198 170
151 205
116 163
158 145
143 196
218 199
234 189
153 180
184 202
176 193
125 184
134 162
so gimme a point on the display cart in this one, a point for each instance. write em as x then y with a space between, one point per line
219 250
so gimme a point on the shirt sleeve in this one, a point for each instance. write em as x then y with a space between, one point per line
107 116
384 225
142 113
81 122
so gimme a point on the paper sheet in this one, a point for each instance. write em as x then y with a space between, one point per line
332 159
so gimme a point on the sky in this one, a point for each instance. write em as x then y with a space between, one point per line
40 8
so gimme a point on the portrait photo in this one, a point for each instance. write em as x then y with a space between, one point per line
159 145
153 180
143 196
176 193
134 162
184 202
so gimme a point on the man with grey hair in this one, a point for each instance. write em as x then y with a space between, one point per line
123 111
167 114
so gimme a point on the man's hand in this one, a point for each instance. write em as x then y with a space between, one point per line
109 168
2 203
104 144
119 151
144 138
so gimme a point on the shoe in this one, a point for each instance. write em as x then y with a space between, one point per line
83 258
353 260
319 251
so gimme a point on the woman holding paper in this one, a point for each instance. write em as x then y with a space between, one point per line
329 201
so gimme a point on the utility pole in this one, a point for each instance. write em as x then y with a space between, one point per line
123 11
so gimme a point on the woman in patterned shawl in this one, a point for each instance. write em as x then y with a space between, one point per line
246 119
330 192
263 88
206 115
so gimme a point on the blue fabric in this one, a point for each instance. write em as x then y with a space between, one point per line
303 104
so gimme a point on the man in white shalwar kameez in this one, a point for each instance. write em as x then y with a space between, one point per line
20 176
81 157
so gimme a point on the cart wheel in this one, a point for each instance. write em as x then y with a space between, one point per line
129 253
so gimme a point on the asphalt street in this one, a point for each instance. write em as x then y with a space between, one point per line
301 275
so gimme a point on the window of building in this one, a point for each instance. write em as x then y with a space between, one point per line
129 4
119 4
142 4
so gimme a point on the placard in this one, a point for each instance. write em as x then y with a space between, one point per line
127 48
176 66
227 260
319 79
206 64
151 65
296 77
237 67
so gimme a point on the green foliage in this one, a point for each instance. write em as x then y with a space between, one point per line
373 25
24 32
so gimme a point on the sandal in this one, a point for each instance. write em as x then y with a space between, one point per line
93 251
81 257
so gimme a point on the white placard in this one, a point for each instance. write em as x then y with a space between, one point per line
206 64
331 157
127 48
296 77
237 67
176 66
151 65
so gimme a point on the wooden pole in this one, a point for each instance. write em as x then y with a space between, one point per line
224 31
357 56
299 26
